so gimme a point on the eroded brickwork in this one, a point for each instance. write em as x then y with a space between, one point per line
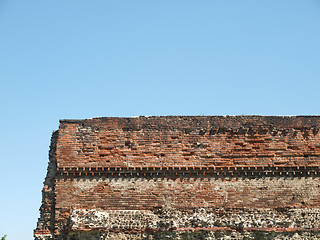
240 177
189 141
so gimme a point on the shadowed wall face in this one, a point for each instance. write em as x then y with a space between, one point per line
143 177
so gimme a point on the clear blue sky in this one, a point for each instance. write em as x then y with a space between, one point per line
83 59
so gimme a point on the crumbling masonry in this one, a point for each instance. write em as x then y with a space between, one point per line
180 177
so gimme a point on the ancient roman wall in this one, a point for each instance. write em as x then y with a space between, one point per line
183 178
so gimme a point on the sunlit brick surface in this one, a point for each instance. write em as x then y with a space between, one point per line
145 177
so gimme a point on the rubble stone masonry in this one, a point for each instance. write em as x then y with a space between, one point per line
183 177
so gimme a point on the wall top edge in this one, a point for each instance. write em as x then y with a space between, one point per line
182 122
193 117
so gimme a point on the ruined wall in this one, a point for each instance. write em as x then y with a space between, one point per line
183 178
189 141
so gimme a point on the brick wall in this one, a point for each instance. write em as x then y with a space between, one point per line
189 141
181 164
188 193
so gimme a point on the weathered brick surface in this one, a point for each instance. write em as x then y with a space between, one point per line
142 193
234 168
183 141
